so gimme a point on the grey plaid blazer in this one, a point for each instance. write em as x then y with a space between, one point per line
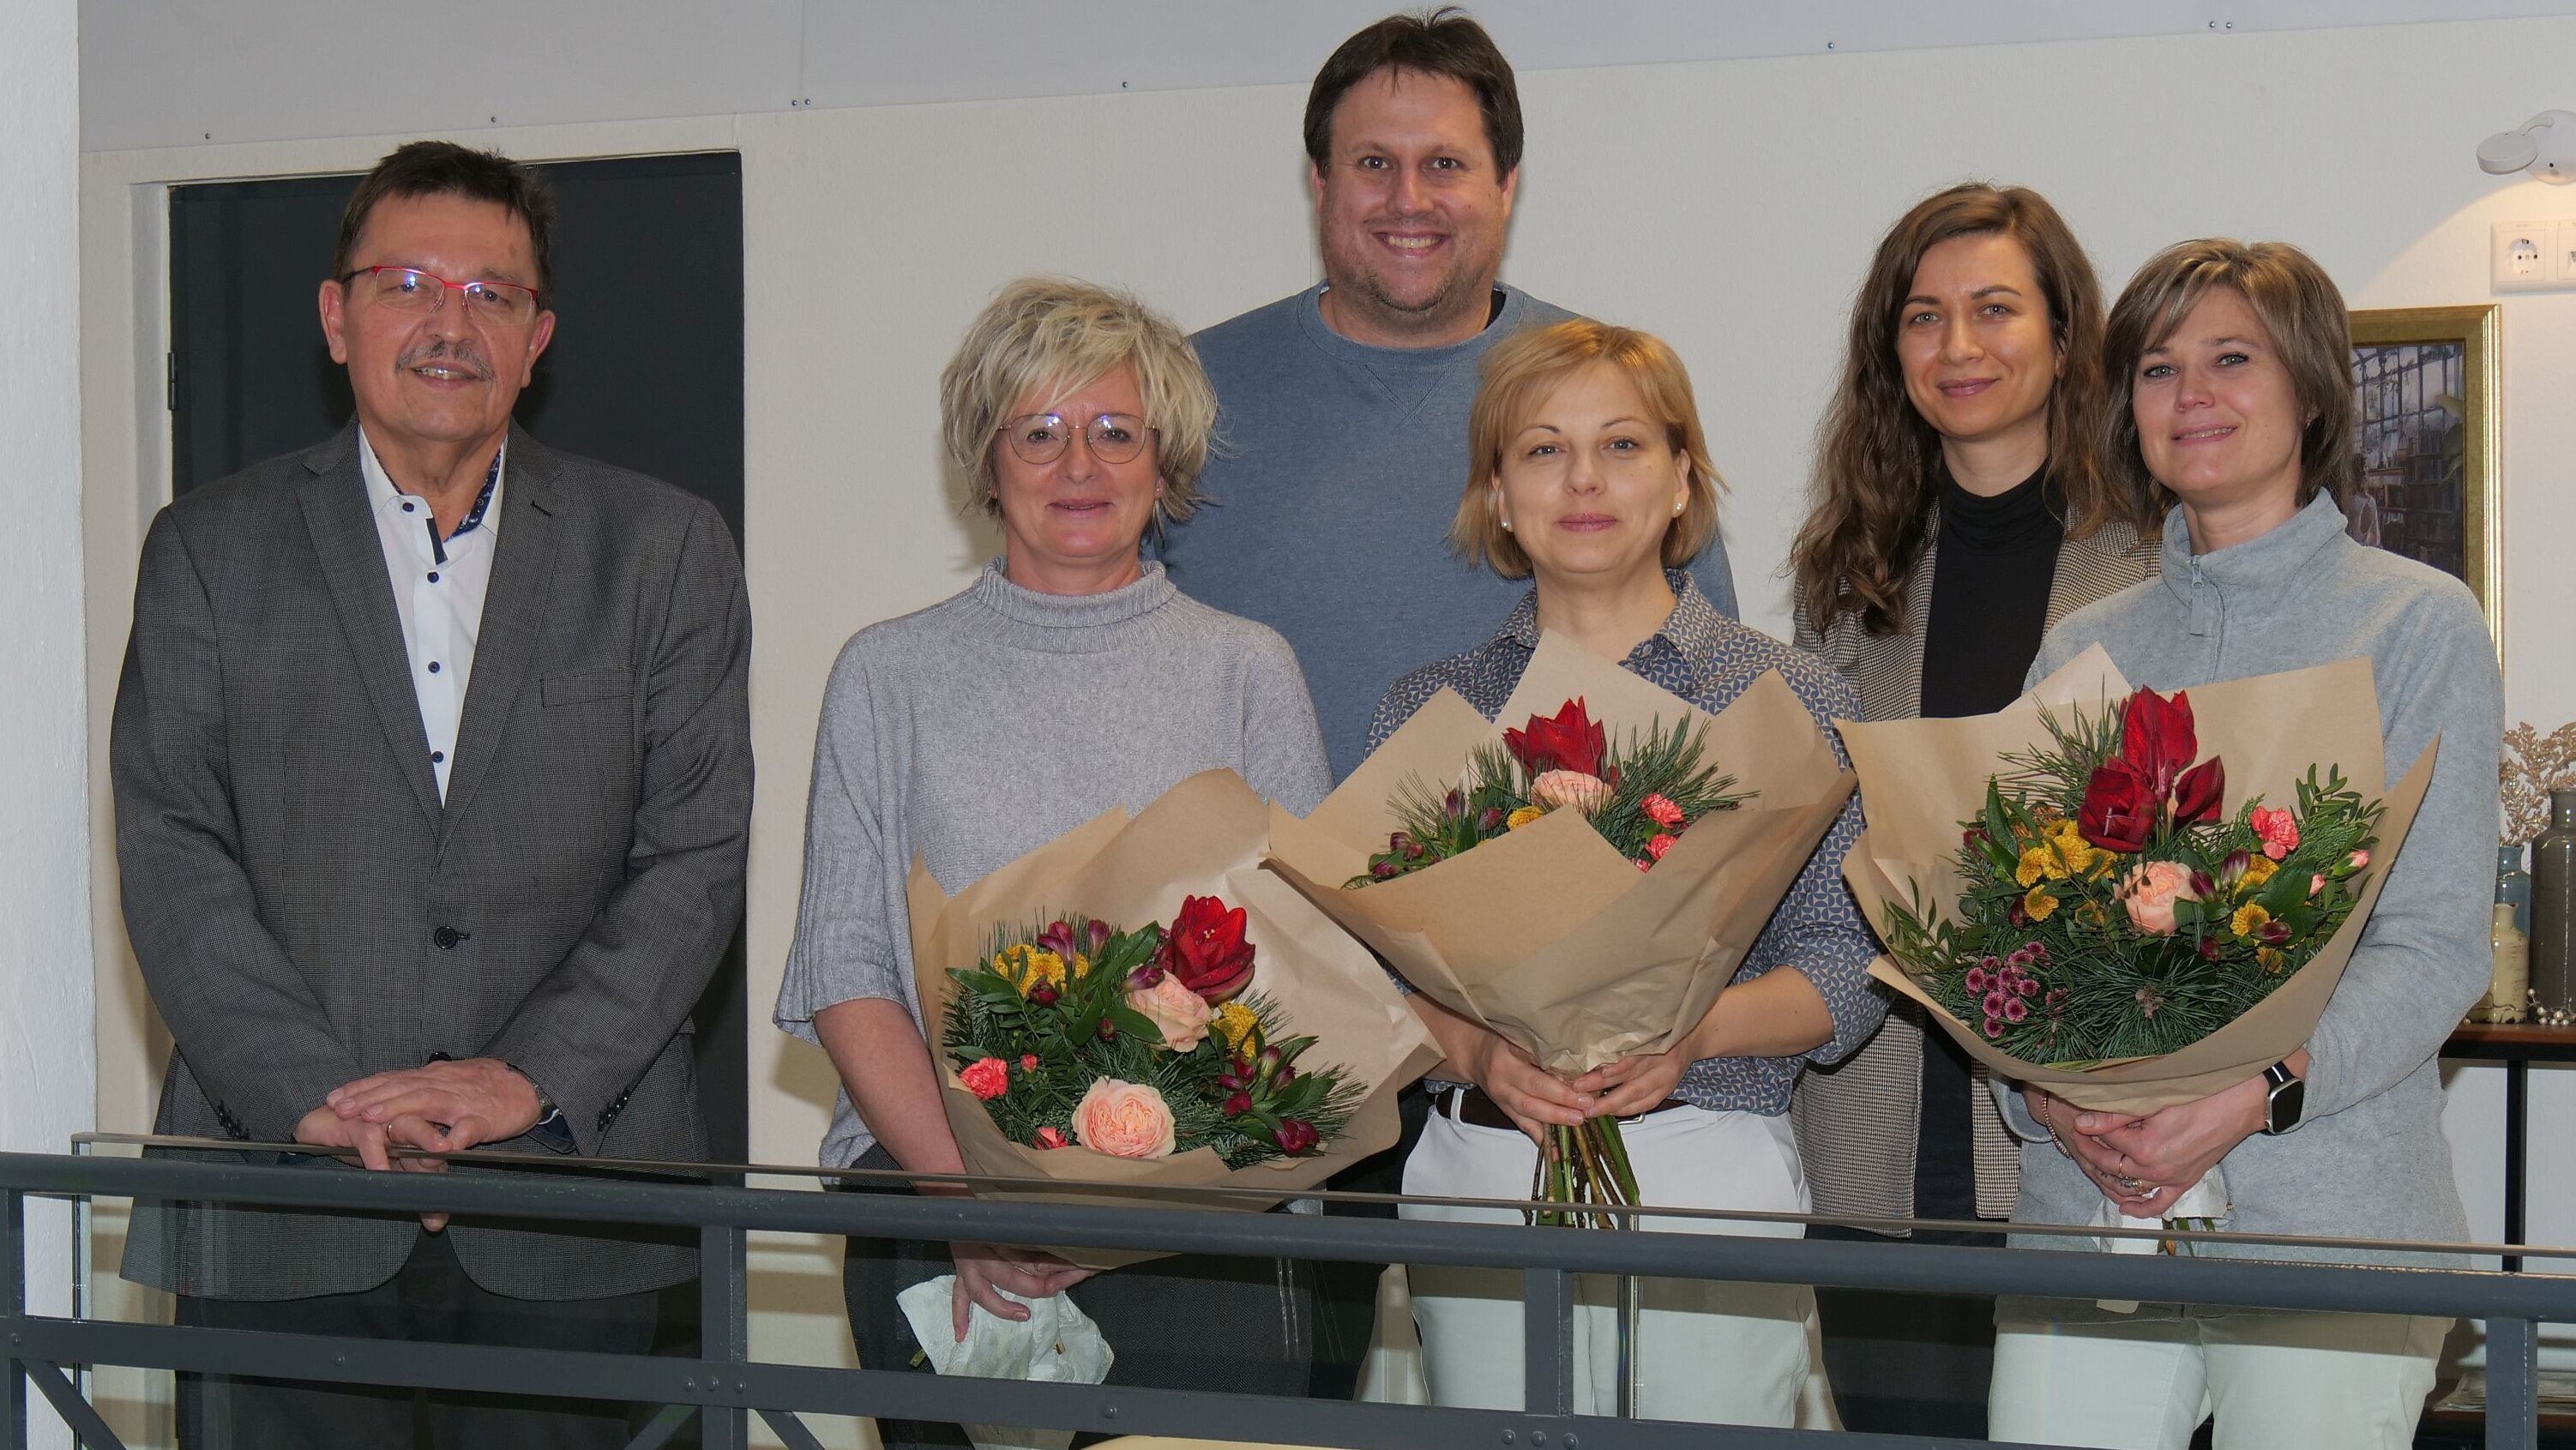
306 911
1858 1121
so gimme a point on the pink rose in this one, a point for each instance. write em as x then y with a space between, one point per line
1124 1120
1658 846
1570 788
986 1078
1661 811
2150 891
1183 1015
2280 833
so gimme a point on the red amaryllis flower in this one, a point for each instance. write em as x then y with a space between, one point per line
1572 741
2157 738
1204 947
2196 793
2119 808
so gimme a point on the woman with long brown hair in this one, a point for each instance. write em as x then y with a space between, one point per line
1958 437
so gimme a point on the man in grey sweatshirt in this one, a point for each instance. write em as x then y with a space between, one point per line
1343 408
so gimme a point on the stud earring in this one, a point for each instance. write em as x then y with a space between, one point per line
1507 525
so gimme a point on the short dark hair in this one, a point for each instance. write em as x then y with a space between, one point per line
2303 316
1442 42
443 168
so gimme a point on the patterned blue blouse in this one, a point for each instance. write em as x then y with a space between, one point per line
1709 659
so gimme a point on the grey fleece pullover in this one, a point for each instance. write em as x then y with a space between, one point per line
991 723
2369 1160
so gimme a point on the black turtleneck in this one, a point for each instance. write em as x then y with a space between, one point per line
1991 572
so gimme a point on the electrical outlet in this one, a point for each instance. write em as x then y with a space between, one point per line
2562 257
2520 260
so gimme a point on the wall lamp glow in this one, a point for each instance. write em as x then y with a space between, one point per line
2545 146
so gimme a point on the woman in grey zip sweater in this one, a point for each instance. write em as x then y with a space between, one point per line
2230 364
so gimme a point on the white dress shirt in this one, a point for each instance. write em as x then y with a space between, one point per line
440 599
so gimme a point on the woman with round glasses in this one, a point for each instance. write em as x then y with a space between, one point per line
1070 677
1956 514
2230 368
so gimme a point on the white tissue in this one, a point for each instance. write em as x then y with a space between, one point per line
2205 1202
1056 1344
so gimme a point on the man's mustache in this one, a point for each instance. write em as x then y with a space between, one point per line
452 353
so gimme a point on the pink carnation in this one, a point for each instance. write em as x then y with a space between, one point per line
2279 832
1661 811
987 1078
2150 890
1658 846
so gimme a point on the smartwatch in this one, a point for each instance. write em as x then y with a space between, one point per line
2289 1095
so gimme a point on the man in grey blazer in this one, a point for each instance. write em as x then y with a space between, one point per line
433 780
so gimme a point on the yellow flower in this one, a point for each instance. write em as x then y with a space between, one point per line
1081 966
2067 839
2036 862
1234 1025
2271 959
2038 903
2091 914
2257 871
2248 920
1025 966
1522 817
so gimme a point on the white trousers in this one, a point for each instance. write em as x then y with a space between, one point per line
1706 1352
2271 1381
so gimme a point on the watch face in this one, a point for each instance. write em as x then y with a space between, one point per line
2287 1099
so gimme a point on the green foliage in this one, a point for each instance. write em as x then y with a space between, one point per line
2043 953
1435 823
1089 1033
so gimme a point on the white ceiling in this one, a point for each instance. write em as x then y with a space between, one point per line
181 72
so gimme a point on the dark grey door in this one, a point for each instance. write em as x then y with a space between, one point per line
645 371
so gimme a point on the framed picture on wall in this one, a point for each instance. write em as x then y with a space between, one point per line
2425 382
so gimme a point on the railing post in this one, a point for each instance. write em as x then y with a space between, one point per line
13 1307
2513 1388
1547 1337
724 1326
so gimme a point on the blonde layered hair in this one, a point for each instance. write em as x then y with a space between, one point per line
1518 375
1045 337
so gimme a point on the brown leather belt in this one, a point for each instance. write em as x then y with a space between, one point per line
1472 1105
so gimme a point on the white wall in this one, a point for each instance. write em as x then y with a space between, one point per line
1728 204
47 1061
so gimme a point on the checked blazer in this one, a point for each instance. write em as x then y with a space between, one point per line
305 909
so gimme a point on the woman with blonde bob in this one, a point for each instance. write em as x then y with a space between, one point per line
1590 477
1070 677
1956 513
2230 374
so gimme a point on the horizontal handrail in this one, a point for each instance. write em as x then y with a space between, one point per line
1217 1195
1934 1268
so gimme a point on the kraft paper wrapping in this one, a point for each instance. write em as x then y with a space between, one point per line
1921 778
1549 936
1204 837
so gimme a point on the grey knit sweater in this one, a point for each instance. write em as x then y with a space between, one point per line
2369 1160
985 726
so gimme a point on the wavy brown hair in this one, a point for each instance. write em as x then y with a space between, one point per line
1878 462
2302 311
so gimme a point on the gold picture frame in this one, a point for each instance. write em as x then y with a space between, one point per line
2429 487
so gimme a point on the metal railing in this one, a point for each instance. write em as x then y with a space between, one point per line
723 1387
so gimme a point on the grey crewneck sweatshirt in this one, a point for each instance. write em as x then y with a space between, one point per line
2369 1160
1329 499
987 725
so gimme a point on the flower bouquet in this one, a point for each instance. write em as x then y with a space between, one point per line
1203 991
1547 932
2130 899
1139 1044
